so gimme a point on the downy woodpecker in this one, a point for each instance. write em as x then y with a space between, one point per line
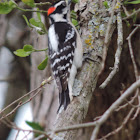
65 50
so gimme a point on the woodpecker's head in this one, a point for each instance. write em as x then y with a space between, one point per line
59 11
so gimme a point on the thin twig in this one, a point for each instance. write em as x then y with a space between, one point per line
39 137
136 114
136 12
76 126
118 52
134 65
125 11
34 90
17 134
20 104
27 10
128 103
131 51
26 136
18 100
138 109
115 105
30 10
11 112
110 22
9 124
107 36
119 128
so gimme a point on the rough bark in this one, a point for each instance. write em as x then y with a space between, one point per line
88 76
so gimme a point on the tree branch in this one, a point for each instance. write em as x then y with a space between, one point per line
12 125
136 12
134 65
128 102
112 108
119 128
30 10
74 127
131 52
118 52
105 116
37 91
106 41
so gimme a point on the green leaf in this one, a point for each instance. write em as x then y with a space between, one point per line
43 64
41 30
73 14
29 2
21 53
6 7
75 1
132 2
28 48
105 3
35 22
75 22
35 125
27 22
38 15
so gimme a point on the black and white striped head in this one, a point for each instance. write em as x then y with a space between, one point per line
58 12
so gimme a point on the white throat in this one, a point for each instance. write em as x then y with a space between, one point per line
58 18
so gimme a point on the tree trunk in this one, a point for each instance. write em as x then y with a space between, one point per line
92 101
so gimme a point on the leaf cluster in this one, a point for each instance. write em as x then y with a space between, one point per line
36 24
7 6
27 50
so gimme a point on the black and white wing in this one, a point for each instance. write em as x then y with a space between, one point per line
61 51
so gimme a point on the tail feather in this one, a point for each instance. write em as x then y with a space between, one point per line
61 100
64 99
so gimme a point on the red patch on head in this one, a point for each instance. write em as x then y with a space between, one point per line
51 10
